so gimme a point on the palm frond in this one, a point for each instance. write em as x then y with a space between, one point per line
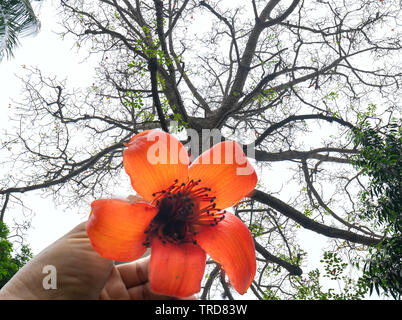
17 19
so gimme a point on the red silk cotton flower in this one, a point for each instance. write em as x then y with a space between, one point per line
182 218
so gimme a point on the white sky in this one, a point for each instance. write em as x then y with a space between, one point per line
53 56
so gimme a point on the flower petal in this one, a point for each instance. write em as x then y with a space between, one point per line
230 243
176 269
116 228
225 169
153 160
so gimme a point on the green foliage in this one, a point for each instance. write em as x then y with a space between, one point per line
141 67
334 265
177 117
383 270
266 96
9 265
332 96
17 19
380 160
270 295
363 116
310 287
151 48
257 229
135 101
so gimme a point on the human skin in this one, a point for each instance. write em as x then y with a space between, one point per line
82 274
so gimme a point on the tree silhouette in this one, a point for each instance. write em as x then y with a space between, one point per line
292 81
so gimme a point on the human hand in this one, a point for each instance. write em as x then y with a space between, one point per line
81 274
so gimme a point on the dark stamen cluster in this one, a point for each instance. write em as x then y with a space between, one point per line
181 209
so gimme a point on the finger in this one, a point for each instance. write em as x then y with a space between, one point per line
114 288
193 297
103 295
143 292
134 273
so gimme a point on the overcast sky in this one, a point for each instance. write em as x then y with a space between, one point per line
53 56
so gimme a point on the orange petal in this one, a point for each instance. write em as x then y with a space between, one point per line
230 243
116 228
176 269
225 169
154 160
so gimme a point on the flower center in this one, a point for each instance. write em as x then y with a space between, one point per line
183 208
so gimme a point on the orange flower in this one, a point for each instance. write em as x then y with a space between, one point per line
181 217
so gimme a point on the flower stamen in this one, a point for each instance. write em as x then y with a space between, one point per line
183 207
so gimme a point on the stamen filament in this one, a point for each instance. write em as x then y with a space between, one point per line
179 212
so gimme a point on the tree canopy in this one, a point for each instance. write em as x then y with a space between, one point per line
309 88
9 263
